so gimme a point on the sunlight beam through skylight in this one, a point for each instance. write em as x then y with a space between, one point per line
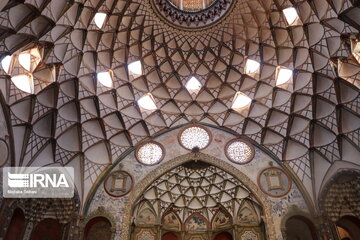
147 102
105 79
240 101
135 68
25 60
24 83
252 66
5 63
193 85
283 76
291 15
99 19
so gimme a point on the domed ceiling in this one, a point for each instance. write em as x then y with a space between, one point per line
67 114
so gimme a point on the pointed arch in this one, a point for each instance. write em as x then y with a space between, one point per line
158 172
221 219
171 221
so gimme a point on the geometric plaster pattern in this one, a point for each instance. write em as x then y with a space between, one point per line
71 119
39 209
256 198
343 198
198 187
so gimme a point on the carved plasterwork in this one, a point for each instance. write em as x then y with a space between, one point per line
191 19
155 174
340 196
310 123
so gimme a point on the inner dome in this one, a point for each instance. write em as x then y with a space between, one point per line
192 5
191 14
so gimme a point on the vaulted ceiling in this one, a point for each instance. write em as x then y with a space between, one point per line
203 189
71 119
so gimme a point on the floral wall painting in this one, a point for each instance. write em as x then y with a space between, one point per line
118 183
221 220
274 182
247 215
196 223
146 216
171 221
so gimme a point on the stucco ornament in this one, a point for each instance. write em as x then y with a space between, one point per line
139 189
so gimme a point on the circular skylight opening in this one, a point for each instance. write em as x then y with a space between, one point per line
194 137
239 151
150 153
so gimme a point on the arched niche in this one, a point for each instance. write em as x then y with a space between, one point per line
298 227
221 220
338 202
348 226
48 229
143 193
36 210
223 236
98 224
196 223
16 227
338 198
309 220
169 236
98 228
171 221
146 215
248 214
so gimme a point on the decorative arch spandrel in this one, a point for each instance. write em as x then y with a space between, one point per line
171 221
221 220
158 172
196 223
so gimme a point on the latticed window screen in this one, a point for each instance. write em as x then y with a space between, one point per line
192 5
